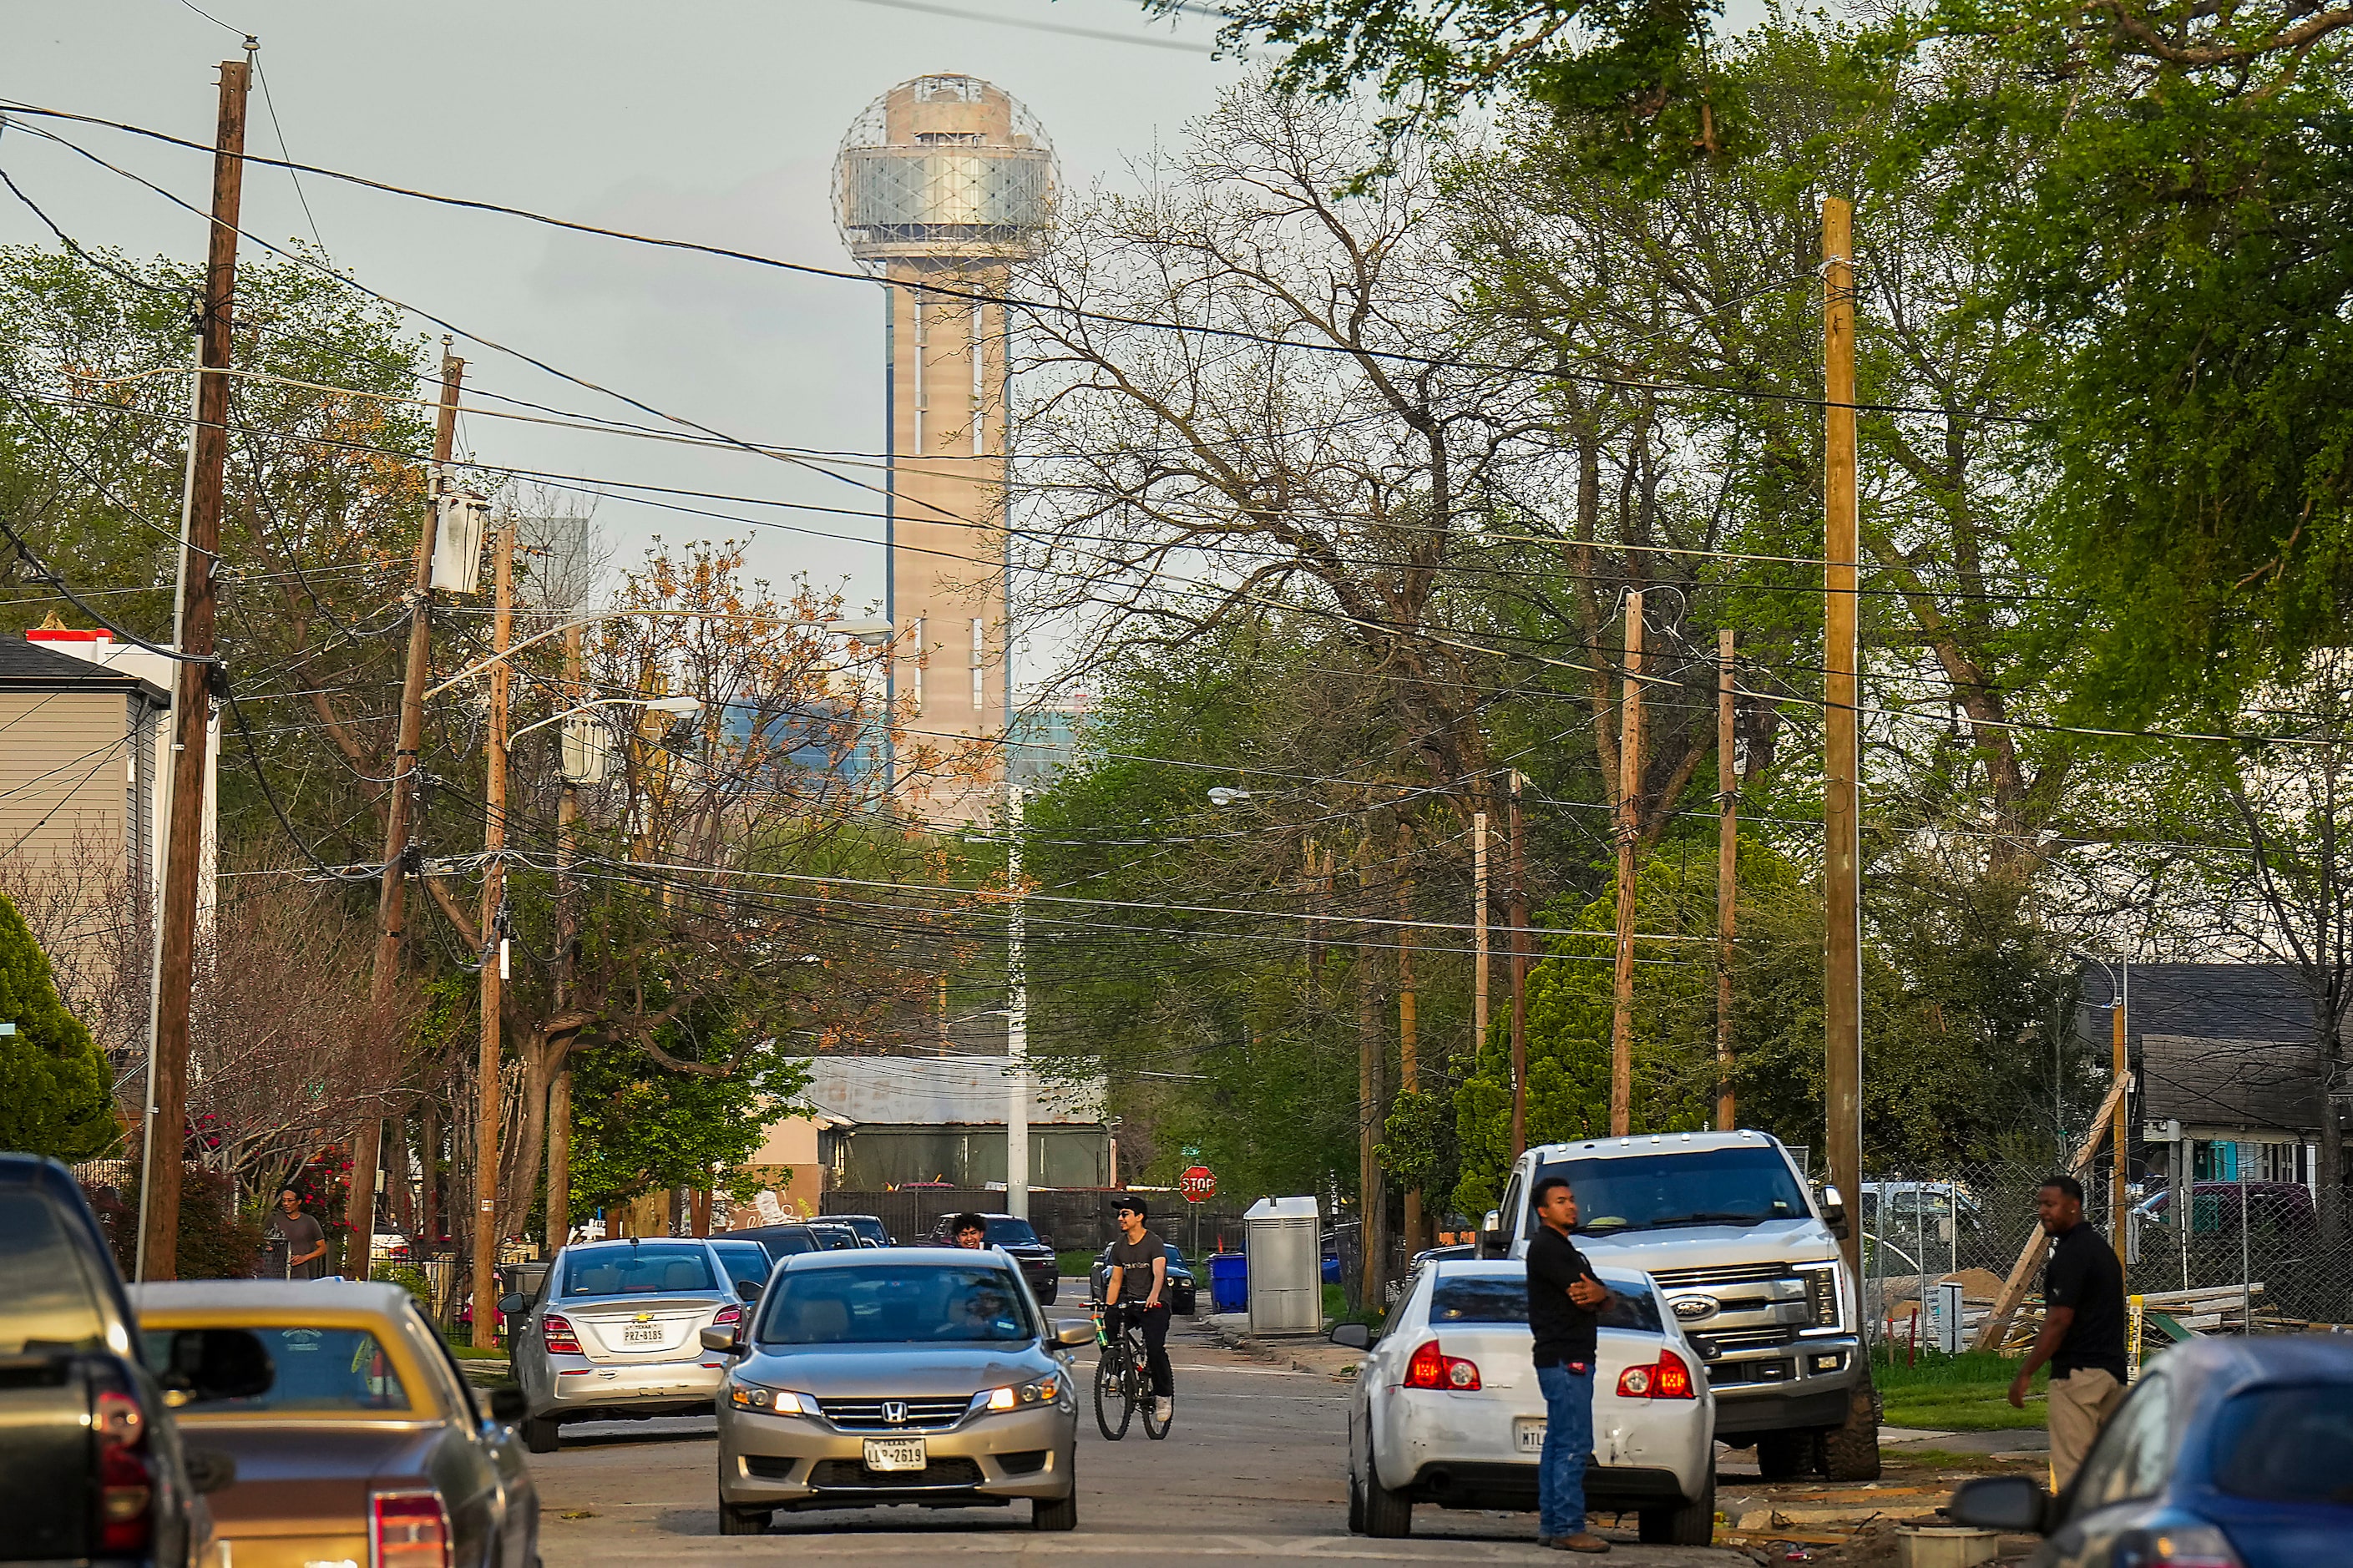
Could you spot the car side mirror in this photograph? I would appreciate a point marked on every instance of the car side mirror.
(1075, 1331)
(514, 1305)
(1835, 1212)
(1047, 1242)
(1354, 1336)
(748, 1289)
(211, 1364)
(1492, 1243)
(2016, 1505)
(718, 1339)
(509, 1405)
(210, 1470)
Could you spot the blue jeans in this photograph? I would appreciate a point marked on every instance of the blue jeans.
(1567, 1445)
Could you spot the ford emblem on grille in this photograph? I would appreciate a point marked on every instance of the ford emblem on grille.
(1692, 1309)
(894, 1411)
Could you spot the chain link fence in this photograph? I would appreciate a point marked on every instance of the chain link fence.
(2237, 1254)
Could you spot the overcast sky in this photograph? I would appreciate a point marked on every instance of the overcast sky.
(712, 121)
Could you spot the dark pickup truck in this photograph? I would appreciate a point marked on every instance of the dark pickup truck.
(92, 1467)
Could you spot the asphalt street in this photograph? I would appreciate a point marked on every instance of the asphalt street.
(1254, 1470)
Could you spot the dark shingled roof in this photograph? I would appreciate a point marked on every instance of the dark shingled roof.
(2215, 1045)
(2248, 1084)
(27, 666)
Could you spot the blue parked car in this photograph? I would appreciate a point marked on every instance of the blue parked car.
(2228, 1453)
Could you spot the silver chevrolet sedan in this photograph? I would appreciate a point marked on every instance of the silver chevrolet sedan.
(923, 1375)
(615, 1334)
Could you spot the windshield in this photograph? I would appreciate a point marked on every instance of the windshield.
(2287, 1444)
(1657, 1192)
(876, 1304)
(1011, 1232)
(867, 1225)
(317, 1369)
(746, 1262)
(46, 1300)
(1504, 1298)
(652, 1269)
(784, 1244)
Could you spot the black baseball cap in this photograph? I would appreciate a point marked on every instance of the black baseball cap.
(1130, 1205)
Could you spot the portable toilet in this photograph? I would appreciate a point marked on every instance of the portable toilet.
(1286, 1278)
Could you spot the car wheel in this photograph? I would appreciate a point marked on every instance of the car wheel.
(1690, 1523)
(1053, 1288)
(1784, 1456)
(541, 1435)
(1057, 1514)
(742, 1521)
(1356, 1505)
(1851, 1450)
(1388, 1516)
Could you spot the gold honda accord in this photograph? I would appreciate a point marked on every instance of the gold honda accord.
(368, 1446)
(922, 1375)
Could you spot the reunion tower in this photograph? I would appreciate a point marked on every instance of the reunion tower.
(946, 180)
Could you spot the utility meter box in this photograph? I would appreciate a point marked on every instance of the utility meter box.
(1286, 1267)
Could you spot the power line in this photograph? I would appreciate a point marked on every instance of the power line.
(974, 295)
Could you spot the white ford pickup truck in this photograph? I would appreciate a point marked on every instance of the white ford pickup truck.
(1751, 1269)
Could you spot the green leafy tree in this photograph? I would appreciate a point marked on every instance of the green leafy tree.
(55, 1094)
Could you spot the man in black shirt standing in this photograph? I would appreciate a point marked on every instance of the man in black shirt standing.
(1564, 1299)
(2083, 1335)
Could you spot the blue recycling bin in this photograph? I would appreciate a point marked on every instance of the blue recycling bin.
(1230, 1281)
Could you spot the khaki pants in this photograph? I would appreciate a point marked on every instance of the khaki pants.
(2081, 1404)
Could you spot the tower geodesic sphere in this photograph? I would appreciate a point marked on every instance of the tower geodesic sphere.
(944, 169)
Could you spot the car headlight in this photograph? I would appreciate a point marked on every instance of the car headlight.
(1012, 1397)
(769, 1401)
(1821, 1294)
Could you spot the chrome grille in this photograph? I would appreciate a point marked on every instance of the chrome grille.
(1733, 1274)
(868, 1414)
(1714, 1345)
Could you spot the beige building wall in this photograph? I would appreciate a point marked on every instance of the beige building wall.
(948, 580)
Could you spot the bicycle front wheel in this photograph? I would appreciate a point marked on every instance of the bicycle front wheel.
(1114, 1407)
(1154, 1427)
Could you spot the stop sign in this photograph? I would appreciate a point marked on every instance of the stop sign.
(1197, 1183)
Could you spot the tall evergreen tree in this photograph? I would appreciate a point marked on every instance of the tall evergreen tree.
(56, 1097)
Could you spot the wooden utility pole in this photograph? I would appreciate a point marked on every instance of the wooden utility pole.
(1630, 837)
(1519, 918)
(1841, 791)
(1478, 933)
(2120, 1133)
(494, 953)
(1408, 1047)
(1372, 1202)
(559, 1083)
(1727, 853)
(192, 701)
(360, 1212)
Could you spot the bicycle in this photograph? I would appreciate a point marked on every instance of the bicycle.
(1122, 1380)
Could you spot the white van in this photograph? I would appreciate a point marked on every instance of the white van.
(1751, 1268)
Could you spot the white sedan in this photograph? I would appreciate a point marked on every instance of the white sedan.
(1447, 1411)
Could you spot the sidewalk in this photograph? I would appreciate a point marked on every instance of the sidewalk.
(1300, 1353)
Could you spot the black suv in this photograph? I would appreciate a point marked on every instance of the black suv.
(91, 1468)
(1018, 1241)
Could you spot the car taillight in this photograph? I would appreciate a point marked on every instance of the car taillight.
(126, 1476)
(2177, 1546)
(1433, 1368)
(726, 1315)
(407, 1530)
(557, 1332)
(1666, 1378)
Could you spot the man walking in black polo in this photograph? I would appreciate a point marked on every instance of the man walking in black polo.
(2083, 1335)
(1564, 1299)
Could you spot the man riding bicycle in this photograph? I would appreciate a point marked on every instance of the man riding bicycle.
(1138, 1277)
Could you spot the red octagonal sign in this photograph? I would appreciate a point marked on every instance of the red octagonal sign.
(1197, 1183)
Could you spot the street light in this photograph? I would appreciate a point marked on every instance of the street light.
(1221, 796)
(681, 706)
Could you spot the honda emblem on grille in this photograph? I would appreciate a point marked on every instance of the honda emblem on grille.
(894, 1411)
(1692, 1308)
